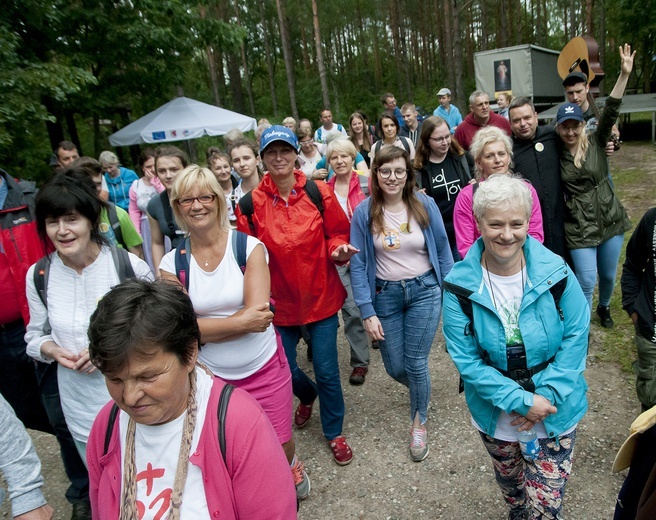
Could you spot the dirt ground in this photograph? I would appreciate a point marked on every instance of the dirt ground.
(456, 480)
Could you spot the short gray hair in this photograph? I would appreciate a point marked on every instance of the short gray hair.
(341, 144)
(475, 94)
(108, 158)
(502, 191)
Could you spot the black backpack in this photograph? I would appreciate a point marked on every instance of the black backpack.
(42, 272)
(311, 189)
(221, 411)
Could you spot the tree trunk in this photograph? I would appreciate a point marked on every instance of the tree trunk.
(72, 130)
(394, 25)
(589, 26)
(269, 62)
(322, 68)
(244, 63)
(446, 45)
(287, 53)
(457, 55)
(378, 67)
(214, 82)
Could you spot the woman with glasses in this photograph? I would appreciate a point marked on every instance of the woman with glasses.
(595, 220)
(397, 277)
(310, 153)
(442, 169)
(240, 344)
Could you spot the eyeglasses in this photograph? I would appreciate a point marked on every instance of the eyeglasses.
(309, 141)
(441, 139)
(203, 199)
(399, 173)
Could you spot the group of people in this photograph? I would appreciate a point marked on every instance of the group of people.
(255, 252)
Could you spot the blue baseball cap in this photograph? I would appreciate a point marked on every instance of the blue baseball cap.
(278, 133)
(569, 111)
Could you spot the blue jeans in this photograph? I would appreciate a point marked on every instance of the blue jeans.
(328, 388)
(409, 311)
(603, 258)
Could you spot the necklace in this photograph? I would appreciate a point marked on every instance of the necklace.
(207, 262)
(489, 280)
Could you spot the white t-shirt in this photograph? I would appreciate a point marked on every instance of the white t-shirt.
(219, 294)
(156, 456)
(72, 298)
(400, 254)
(508, 292)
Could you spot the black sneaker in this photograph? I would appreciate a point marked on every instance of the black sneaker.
(604, 315)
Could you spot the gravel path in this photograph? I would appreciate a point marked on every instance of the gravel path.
(456, 480)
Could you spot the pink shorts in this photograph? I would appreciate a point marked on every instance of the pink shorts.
(271, 386)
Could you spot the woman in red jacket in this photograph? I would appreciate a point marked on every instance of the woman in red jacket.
(306, 233)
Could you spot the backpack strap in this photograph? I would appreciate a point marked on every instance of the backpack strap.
(222, 411)
(168, 213)
(465, 304)
(557, 292)
(41, 275)
(113, 414)
(246, 208)
(405, 143)
(114, 222)
(182, 253)
(122, 263)
(239, 248)
(313, 192)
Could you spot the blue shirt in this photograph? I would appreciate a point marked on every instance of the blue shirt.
(452, 117)
(119, 187)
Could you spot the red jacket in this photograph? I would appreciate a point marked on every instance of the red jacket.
(304, 282)
(466, 130)
(355, 193)
(20, 247)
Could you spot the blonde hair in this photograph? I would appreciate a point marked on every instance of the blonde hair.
(488, 135)
(581, 146)
(191, 177)
(342, 144)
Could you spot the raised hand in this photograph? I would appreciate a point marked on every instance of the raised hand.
(627, 58)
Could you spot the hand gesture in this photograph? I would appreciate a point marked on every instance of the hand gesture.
(343, 253)
(627, 58)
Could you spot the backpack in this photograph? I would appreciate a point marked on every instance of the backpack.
(463, 295)
(310, 188)
(183, 250)
(115, 223)
(222, 411)
(379, 144)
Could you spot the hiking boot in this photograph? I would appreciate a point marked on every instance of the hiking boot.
(302, 414)
(341, 450)
(301, 480)
(375, 345)
(358, 375)
(418, 445)
(81, 510)
(605, 317)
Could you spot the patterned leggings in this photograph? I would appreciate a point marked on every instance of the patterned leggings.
(533, 489)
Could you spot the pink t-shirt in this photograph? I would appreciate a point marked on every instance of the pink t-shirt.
(400, 251)
(465, 225)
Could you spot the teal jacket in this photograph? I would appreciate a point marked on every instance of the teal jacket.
(544, 332)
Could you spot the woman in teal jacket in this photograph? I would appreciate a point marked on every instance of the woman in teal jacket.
(516, 326)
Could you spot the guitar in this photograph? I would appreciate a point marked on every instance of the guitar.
(582, 54)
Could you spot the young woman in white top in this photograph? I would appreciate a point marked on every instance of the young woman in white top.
(240, 343)
(81, 271)
(141, 191)
(219, 165)
(245, 160)
(389, 128)
(403, 257)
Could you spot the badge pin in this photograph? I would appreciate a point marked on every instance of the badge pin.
(539, 147)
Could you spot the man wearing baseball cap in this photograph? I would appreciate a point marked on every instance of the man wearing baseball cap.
(446, 110)
(576, 91)
(306, 233)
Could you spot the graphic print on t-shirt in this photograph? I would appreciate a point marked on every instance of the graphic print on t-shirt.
(439, 182)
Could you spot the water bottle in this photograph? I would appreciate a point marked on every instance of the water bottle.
(529, 444)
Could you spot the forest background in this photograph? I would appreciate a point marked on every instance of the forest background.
(82, 69)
